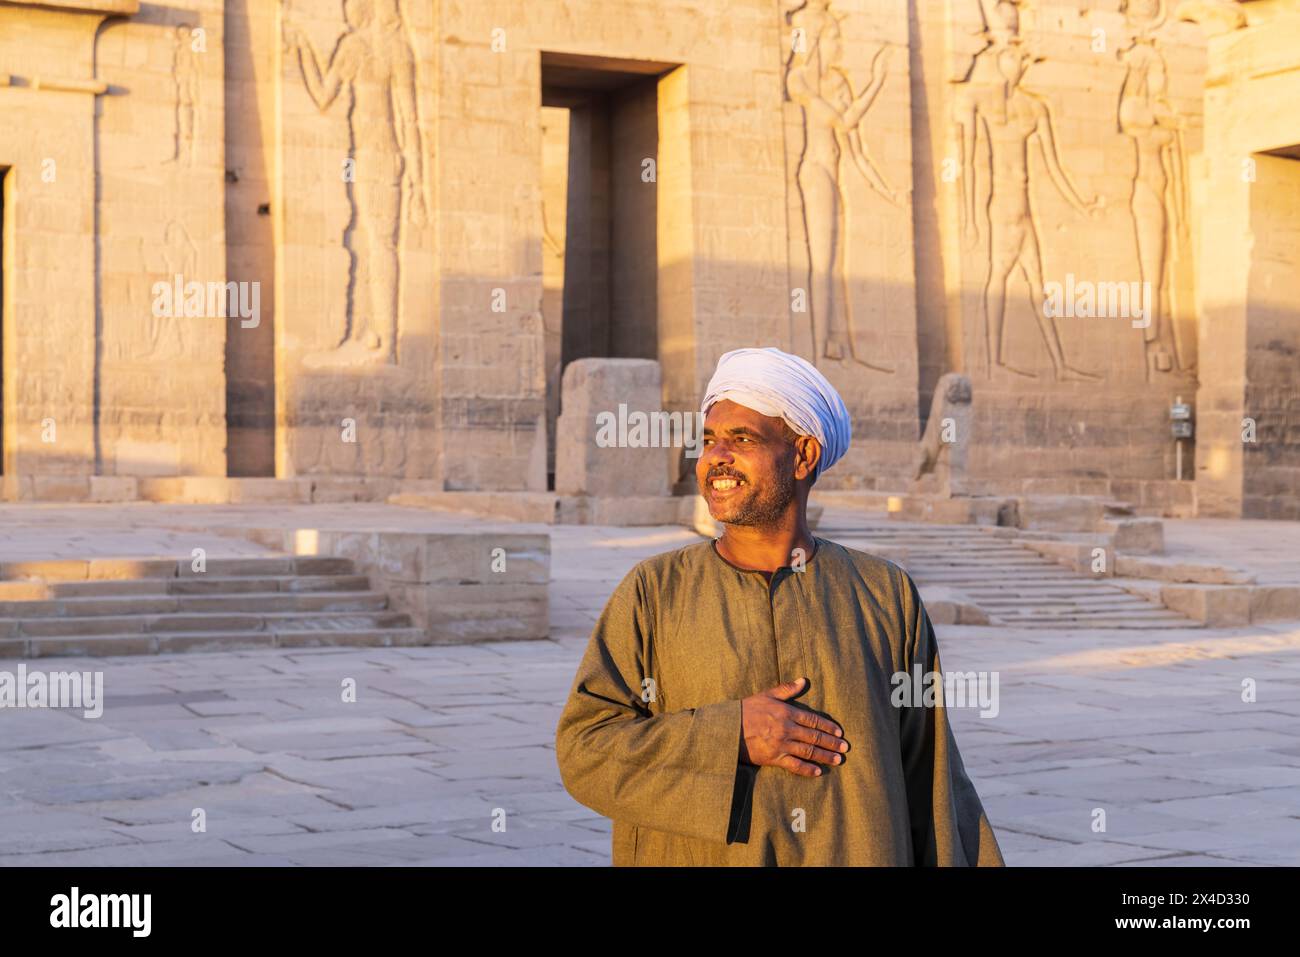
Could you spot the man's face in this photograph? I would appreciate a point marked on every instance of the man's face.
(752, 458)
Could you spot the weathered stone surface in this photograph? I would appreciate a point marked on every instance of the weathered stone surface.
(1060, 513)
(1216, 605)
(942, 458)
(1137, 535)
(1175, 571)
(1087, 558)
(1275, 602)
(456, 586)
(608, 440)
(114, 488)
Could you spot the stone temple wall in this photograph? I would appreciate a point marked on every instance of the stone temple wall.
(422, 212)
(1058, 145)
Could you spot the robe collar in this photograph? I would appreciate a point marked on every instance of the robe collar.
(819, 547)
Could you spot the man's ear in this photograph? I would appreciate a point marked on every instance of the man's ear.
(808, 453)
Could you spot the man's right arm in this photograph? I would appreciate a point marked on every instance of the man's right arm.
(675, 772)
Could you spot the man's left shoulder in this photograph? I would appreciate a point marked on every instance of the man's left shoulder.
(876, 570)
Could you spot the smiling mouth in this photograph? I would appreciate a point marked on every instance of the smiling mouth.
(722, 484)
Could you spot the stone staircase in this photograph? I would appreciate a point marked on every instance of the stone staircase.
(146, 606)
(1011, 583)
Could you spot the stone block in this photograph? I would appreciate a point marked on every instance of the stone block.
(1137, 535)
(263, 491)
(603, 510)
(186, 490)
(1187, 572)
(61, 488)
(118, 568)
(940, 510)
(461, 613)
(540, 508)
(948, 606)
(114, 488)
(16, 488)
(456, 586)
(1217, 606)
(1060, 513)
(351, 490)
(69, 569)
(1275, 602)
(1077, 556)
(613, 437)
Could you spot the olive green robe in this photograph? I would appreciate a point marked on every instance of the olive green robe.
(650, 734)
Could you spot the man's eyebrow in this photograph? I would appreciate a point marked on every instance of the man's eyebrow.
(736, 430)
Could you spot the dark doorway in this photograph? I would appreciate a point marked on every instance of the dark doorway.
(600, 202)
(250, 251)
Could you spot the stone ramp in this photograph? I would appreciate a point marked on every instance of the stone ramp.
(101, 607)
(1009, 582)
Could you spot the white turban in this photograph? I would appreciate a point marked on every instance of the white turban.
(775, 383)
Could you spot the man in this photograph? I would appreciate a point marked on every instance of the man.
(733, 706)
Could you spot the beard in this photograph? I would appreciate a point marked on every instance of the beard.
(762, 506)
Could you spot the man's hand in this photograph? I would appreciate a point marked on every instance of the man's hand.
(784, 736)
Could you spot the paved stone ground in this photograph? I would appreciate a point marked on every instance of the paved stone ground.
(1148, 727)
(1270, 549)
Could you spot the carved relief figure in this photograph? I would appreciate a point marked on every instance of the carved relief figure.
(832, 116)
(995, 105)
(1159, 200)
(166, 336)
(185, 80)
(374, 65)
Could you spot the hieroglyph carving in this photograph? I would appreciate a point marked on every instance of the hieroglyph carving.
(1158, 203)
(185, 81)
(374, 65)
(167, 335)
(992, 103)
(817, 81)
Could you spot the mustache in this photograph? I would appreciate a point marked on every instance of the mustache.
(725, 473)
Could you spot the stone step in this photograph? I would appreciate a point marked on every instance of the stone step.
(972, 552)
(973, 562)
(37, 590)
(40, 590)
(933, 547)
(1119, 600)
(991, 568)
(134, 569)
(901, 529)
(1000, 586)
(215, 622)
(1031, 589)
(996, 574)
(165, 642)
(1107, 623)
(1097, 598)
(287, 583)
(1012, 583)
(1151, 614)
(130, 605)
